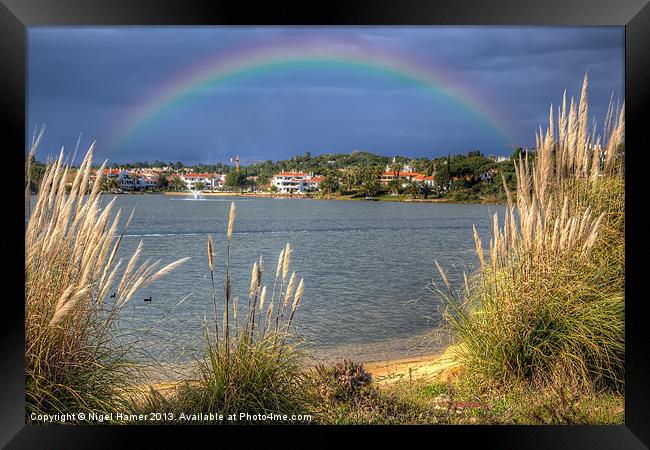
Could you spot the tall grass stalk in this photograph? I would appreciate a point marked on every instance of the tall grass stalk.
(72, 359)
(547, 302)
(251, 365)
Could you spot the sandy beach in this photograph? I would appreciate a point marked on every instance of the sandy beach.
(439, 367)
(422, 368)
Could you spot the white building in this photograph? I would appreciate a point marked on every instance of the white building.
(208, 180)
(313, 183)
(130, 181)
(289, 182)
(295, 182)
(146, 182)
(218, 181)
(124, 178)
(404, 167)
(426, 180)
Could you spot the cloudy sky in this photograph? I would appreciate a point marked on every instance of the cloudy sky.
(204, 94)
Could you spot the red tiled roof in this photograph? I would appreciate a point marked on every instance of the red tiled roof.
(198, 175)
(401, 174)
(290, 174)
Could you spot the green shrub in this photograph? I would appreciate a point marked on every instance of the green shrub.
(344, 381)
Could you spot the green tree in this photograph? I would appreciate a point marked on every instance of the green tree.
(108, 184)
(395, 187)
(329, 184)
(348, 179)
(161, 181)
(429, 167)
(369, 181)
(37, 170)
(177, 184)
(235, 180)
(442, 177)
(199, 186)
(397, 168)
(425, 189)
(412, 188)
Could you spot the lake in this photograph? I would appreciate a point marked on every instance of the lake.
(367, 266)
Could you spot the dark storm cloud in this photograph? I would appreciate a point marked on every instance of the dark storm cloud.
(83, 80)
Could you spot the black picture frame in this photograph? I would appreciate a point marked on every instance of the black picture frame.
(16, 15)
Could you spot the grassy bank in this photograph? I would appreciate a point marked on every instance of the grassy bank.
(430, 390)
(546, 309)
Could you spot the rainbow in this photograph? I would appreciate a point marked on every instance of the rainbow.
(262, 59)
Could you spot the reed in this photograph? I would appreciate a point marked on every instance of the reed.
(547, 302)
(251, 364)
(73, 361)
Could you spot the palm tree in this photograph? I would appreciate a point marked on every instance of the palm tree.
(395, 187)
(177, 183)
(430, 168)
(161, 181)
(397, 168)
(425, 189)
(348, 179)
(369, 178)
(412, 188)
(329, 184)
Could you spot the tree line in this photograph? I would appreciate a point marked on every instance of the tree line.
(461, 176)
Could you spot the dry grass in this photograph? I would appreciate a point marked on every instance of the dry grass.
(72, 359)
(548, 300)
(251, 364)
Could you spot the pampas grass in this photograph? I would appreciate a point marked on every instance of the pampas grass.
(250, 365)
(548, 301)
(72, 360)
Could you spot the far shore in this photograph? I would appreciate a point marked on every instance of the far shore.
(383, 198)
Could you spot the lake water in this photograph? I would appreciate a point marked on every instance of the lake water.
(367, 266)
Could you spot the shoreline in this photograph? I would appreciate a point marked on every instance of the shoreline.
(336, 198)
(427, 367)
(443, 365)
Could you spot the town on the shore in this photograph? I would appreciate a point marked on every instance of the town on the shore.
(464, 177)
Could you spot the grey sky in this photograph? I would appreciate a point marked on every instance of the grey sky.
(87, 80)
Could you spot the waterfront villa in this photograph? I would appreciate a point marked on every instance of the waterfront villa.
(218, 181)
(388, 176)
(313, 183)
(295, 182)
(130, 181)
(289, 182)
(146, 182)
(209, 180)
(423, 179)
(125, 180)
